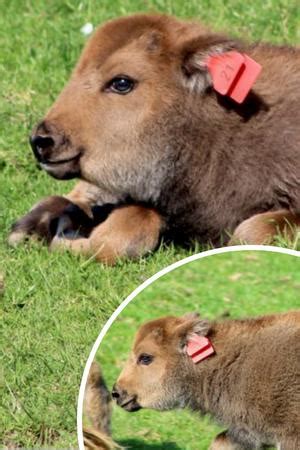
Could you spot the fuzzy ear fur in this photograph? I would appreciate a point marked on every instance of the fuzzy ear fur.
(192, 324)
(194, 54)
(158, 334)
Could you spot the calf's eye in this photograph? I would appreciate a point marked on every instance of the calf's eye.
(120, 85)
(145, 359)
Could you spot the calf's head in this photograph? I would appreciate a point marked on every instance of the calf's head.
(123, 117)
(158, 372)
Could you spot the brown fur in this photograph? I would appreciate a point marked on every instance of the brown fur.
(251, 384)
(97, 411)
(97, 400)
(202, 162)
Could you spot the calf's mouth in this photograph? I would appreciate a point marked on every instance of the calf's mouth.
(62, 169)
(61, 161)
(130, 404)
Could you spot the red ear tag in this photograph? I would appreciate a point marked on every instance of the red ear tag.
(233, 74)
(224, 67)
(199, 348)
(245, 80)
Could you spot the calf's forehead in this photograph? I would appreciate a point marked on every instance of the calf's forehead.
(140, 32)
(157, 333)
(118, 34)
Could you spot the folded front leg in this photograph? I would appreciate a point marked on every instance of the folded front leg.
(128, 232)
(74, 212)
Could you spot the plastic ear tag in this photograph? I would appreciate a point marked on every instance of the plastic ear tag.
(233, 74)
(199, 348)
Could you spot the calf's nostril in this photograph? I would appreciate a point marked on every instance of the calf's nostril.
(40, 143)
(115, 393)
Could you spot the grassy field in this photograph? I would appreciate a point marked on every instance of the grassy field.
(53, 306)
(240, 284)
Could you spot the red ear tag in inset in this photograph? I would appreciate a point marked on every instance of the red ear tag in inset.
(199, 348)
(233, 74)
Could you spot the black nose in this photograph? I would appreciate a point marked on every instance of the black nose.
(115, 393)
(41, 146)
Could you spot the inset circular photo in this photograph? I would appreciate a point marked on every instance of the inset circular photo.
(205, 355)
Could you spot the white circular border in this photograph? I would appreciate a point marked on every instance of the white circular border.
(140, 289)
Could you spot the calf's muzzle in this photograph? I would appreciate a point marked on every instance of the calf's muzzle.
(125, 400)
(55, 152)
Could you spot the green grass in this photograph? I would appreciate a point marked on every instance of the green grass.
(241, 284)
(53, 306)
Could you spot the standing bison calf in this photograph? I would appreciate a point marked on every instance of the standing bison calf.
(142, 126)
(246, 373)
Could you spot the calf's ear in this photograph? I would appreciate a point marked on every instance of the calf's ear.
(192, 324)
(194, 55)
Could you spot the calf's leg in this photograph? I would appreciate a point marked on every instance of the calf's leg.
(128, 232)
(223, 442)
(97, 401)
(262, 229)
(236, 439)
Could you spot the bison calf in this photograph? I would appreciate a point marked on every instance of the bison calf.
(246, 373)
(142, 124)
